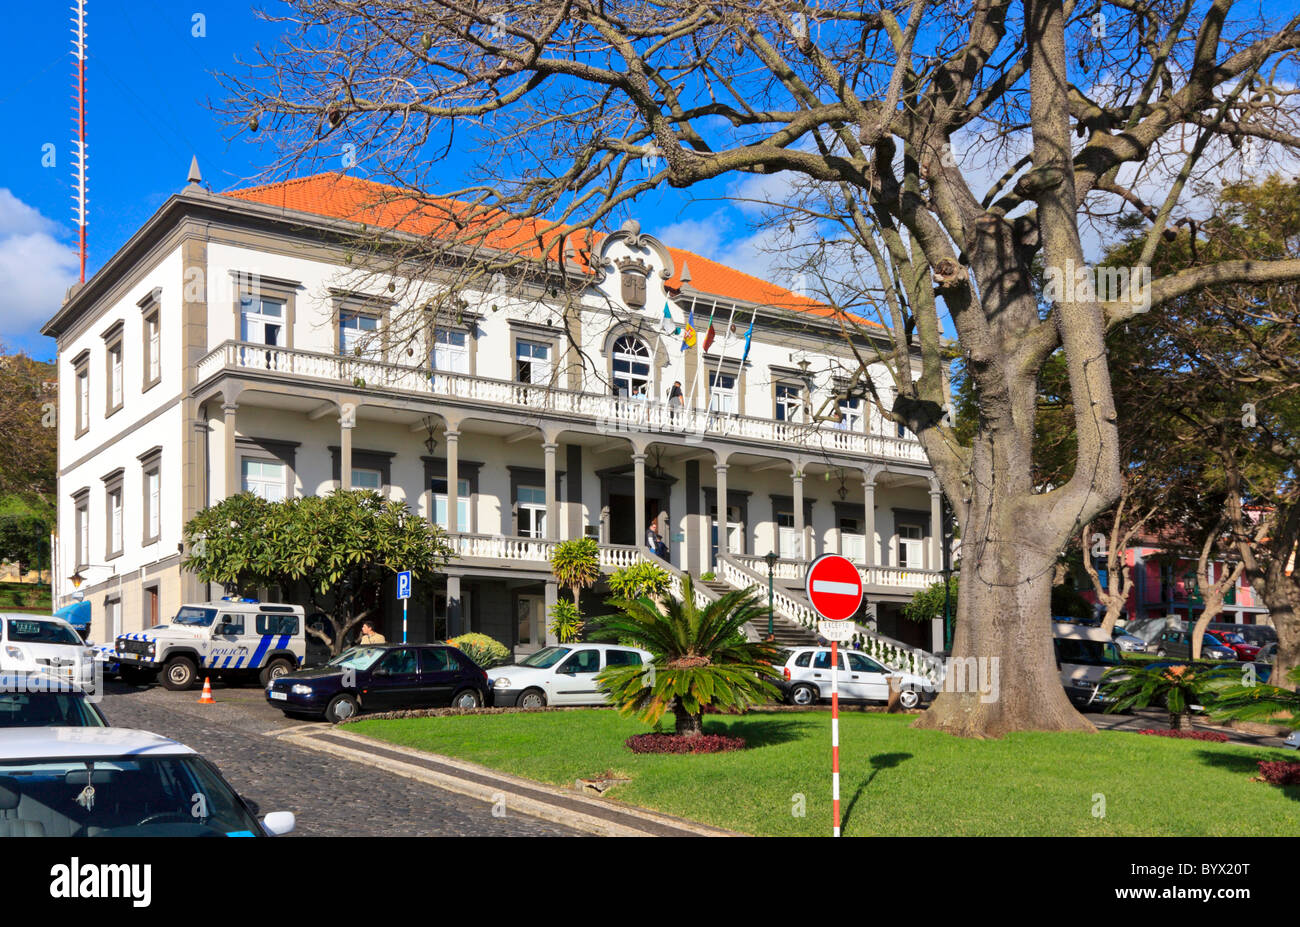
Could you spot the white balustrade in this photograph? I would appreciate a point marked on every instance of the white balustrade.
(606, 412)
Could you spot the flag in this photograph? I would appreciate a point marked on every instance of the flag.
(708, 334)
(688, 338)
(666, 326)
(749, 334)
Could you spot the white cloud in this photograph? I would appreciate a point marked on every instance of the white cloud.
(36, 268)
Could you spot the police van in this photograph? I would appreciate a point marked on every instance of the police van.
(235, 639)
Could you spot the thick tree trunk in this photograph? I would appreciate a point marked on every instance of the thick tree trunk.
(688, 725)
(1004, 627)
(1283, 601)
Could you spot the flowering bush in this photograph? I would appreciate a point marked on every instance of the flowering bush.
(677, 743)
(1280, 772)
(1212, 736)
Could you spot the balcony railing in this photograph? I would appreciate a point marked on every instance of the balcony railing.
(795, 570)
(607, 414)
(533, 550)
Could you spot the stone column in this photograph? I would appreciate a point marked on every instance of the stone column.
(802, 553)
(552, 596)
(346, 423)
(455, 621)
(869, 519)
(552, 502)
(936, 527)
(638, 477)
(721, 471)
(453, 501)
(230, 462)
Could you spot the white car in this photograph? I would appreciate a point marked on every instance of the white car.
(43, 644)
(807, 672)
(564, 674)
(118, 782)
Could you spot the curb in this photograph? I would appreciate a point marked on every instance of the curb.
(522, 796)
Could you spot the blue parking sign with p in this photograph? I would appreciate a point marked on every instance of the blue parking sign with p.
(404, 584)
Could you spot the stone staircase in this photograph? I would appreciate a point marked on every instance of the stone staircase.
(787, 633)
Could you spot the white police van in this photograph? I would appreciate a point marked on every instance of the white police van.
(234, 639)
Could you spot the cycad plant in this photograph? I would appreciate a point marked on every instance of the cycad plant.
(1177, 687)
(701, 658)
(1249, 700)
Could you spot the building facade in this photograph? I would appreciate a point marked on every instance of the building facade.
(228, 346)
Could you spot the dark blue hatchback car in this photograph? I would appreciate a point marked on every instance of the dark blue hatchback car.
(382, 677)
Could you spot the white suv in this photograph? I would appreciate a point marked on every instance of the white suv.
(564, 674)
(807, 672)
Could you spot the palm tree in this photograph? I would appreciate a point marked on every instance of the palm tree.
(701, 657)
(576, 564)
(1178, 687)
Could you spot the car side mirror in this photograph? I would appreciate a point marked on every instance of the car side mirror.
(279, 823)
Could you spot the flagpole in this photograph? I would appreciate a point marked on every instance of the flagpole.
(726, 336)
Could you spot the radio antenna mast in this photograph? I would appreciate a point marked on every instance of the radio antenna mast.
(79, 158)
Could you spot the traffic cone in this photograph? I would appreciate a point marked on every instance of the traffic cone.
(206, 698)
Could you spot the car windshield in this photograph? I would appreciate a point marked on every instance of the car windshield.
(198, 617)
(1086, 653)
(172, 796)
(29, 631)
(545, 658)
(361, 658)
(47, 709)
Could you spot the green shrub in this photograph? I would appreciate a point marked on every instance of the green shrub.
(708, 577)
(566, 622)
(642, 578)
(486, 651)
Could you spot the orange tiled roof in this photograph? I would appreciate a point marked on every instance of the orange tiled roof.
(353, 199)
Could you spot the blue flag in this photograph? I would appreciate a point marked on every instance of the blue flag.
(666, 326)
(749, 334)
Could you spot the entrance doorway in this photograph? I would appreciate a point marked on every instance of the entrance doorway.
(624, 526)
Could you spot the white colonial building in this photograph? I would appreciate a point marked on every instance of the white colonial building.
(228, 347)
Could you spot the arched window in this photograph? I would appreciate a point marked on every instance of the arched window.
(631, 367)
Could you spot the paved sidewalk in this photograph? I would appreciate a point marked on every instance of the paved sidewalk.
(513, 793)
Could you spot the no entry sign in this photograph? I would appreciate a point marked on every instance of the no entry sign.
(834, 587)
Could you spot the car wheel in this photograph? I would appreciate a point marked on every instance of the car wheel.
(467, 698)
(340, 708)
(179, 674)
(532, 698)
(909, 698)
(274, 670)
(803, 695)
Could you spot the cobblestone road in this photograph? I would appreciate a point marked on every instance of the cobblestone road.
(331, 797)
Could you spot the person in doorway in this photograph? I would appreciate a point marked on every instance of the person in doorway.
(369, 635)
(653, 541)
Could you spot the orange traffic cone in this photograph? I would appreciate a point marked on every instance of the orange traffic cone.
(206, 698)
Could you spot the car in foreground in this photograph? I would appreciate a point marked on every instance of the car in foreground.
(806, 679)
(381, 677)
(563, 674)
(35, 644)
(1083, 657)
(118, 782)
(1238, 644)
(42, 700)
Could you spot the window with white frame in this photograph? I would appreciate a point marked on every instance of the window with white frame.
(789, 402)
(261, 320)
(359, 335)
(152, 349)
(532, 361)
(909, 546)
(850, 418)
(439, 488)
(152, 501)
(114, 509)
(531, 504)
(450, 351)
(788, 546)
(115, 375)
(82, 526)
(631, 367)
(363, 478)
(83, 397)
(264, 478)
(722, 393)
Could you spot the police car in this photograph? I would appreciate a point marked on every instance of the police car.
(235, 639)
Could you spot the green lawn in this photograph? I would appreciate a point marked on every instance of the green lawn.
(894, 780)
(24, 597)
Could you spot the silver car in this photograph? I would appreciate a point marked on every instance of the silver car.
(807, 678)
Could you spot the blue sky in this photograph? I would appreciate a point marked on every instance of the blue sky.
(149, 82)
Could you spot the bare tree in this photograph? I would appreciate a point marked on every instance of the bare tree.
(573, 108)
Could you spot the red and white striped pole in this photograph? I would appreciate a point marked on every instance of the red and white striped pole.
(835, 734)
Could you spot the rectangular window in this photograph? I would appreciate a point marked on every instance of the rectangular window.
(152, 501)
(277, 624)
(261, 321)
(722, 393)
(532, 362)
(114, 509)
(367, 479)
(439, 487)
(909, 546)
(83, 533)
(450, 351)
(83, 398)
(850, 415)
(114, 376)
(787, 539)
(531, 502)
(264, 479)
(152, 350)
(358, 335)
(789, 405)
